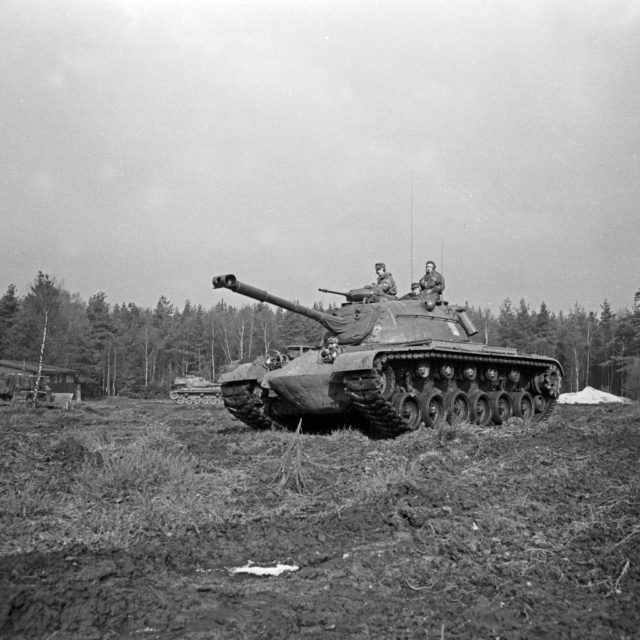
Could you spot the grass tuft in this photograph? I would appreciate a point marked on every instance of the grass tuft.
(291, 473)
(455, 431)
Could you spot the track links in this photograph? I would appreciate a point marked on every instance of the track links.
(380, 416)
(241, 403)
(548, 410)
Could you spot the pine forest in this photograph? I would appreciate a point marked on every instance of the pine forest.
(125, 349)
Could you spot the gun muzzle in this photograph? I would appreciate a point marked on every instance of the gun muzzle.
(227, 281)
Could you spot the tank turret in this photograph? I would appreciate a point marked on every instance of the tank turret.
(387, 366)
(363, 318)
(350, 328)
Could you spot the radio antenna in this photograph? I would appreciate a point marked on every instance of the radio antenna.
(411, 227)
(442, 255)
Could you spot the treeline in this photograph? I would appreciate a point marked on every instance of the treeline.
(128, 349)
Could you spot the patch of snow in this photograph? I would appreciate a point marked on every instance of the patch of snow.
(589, 395)
(264, 571)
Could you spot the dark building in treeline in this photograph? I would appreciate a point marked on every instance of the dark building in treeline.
(61, 379)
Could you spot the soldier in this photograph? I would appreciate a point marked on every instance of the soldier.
(432, 282)
(415, 292)
(385, 287)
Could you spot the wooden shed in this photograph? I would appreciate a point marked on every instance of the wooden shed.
(61, 379)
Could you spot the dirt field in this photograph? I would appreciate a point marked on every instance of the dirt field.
(124, 519)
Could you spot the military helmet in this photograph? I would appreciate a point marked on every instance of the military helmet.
(415, 285)
(430, 262)
(380, 265)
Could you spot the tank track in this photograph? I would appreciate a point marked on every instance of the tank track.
(548, 410)
(241, 403)
(195, 398)
(382, 419)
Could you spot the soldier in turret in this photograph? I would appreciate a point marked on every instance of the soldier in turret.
(385, 287)
(432, 282)
(415, 292)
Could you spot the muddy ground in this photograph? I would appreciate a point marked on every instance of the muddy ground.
(522, 531)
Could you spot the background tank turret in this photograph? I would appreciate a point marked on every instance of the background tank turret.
(387, 367)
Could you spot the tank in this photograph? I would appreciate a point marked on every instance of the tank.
(20, 388)
(388, 367)
(195, 390)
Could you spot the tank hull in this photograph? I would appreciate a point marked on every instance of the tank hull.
(391, 389)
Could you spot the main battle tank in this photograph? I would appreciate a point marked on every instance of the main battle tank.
(387, 367)
(195, 390)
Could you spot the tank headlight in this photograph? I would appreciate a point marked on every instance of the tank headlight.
(331, 352)
(327, 356)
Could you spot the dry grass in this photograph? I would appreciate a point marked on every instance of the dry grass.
(117, 476)
(113, 474)
(291, 472)
(108, 488)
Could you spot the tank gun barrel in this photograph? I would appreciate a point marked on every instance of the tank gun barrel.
(353, 295)
(338, 293)
(229, 281)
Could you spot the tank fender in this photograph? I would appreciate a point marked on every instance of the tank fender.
(354, 361)
(244, 371)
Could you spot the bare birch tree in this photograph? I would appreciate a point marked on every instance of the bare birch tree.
(46, 296)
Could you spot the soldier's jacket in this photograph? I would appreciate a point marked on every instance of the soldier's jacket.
(386, 285)
(432, 282)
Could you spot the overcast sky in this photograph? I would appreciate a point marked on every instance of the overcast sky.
(146, 146)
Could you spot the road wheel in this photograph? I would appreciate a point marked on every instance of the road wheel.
(501, 408)
(407, 407)
(197, 399)
(189, 399)
(480, 405)
(173, 395)
(539, 403)
(432, 408)
(548, 382)
(457, 407)
(522, 405)
(180, 400)
(385, 381)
